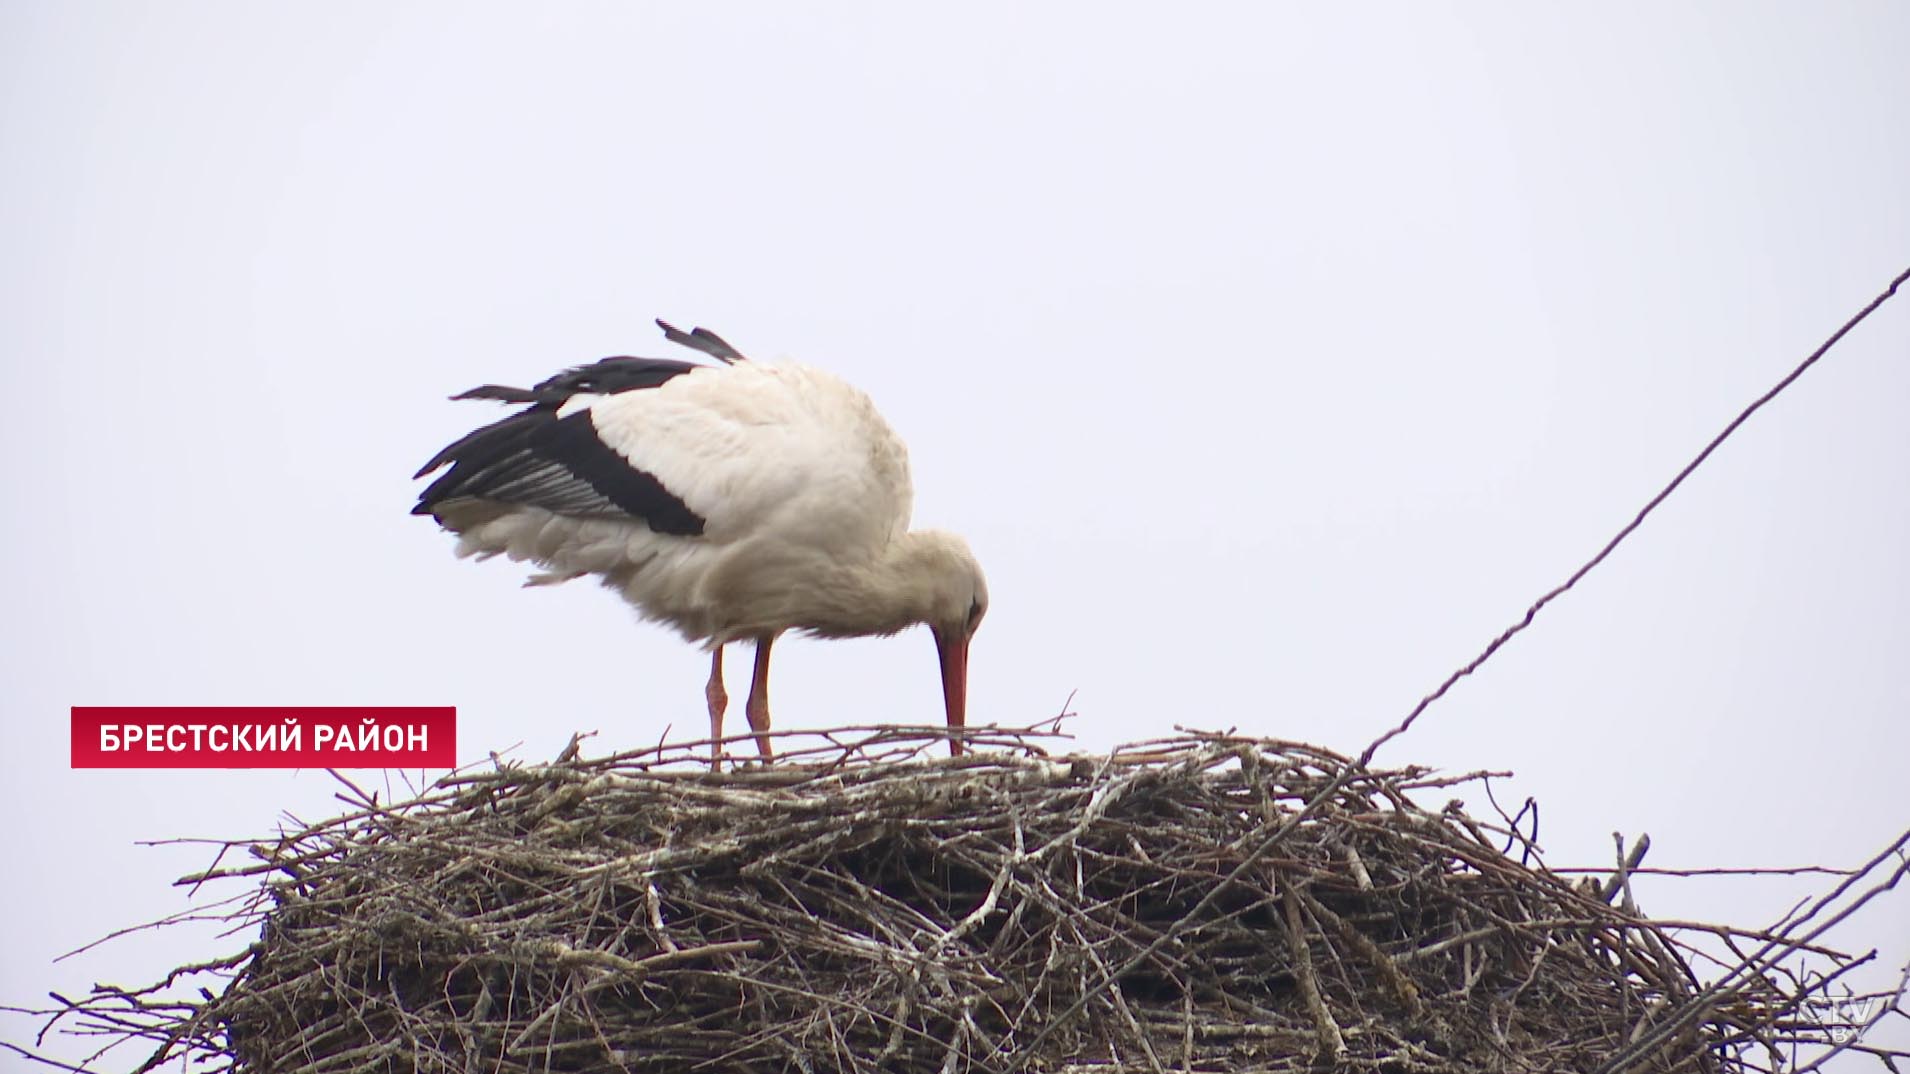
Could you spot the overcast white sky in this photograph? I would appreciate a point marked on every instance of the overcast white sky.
(1272, 358)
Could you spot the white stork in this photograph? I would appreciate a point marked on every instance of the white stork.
(732, 501)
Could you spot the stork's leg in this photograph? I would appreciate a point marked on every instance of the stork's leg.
(758, 705)
(719, 701)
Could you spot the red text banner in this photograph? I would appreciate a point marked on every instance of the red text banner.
(265, 737)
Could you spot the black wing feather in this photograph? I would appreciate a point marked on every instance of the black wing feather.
(537, 459)
(703, 340)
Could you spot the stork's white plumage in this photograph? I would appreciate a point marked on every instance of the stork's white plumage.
(733, 502)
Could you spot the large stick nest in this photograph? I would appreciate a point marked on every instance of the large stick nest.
(872, 908)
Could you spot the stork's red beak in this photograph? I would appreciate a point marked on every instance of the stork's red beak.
(954, 652)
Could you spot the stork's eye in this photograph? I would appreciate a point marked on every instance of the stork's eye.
(975, 610)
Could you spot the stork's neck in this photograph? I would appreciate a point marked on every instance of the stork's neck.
(917, 578)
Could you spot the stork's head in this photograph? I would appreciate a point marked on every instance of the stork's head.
(958, 598)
